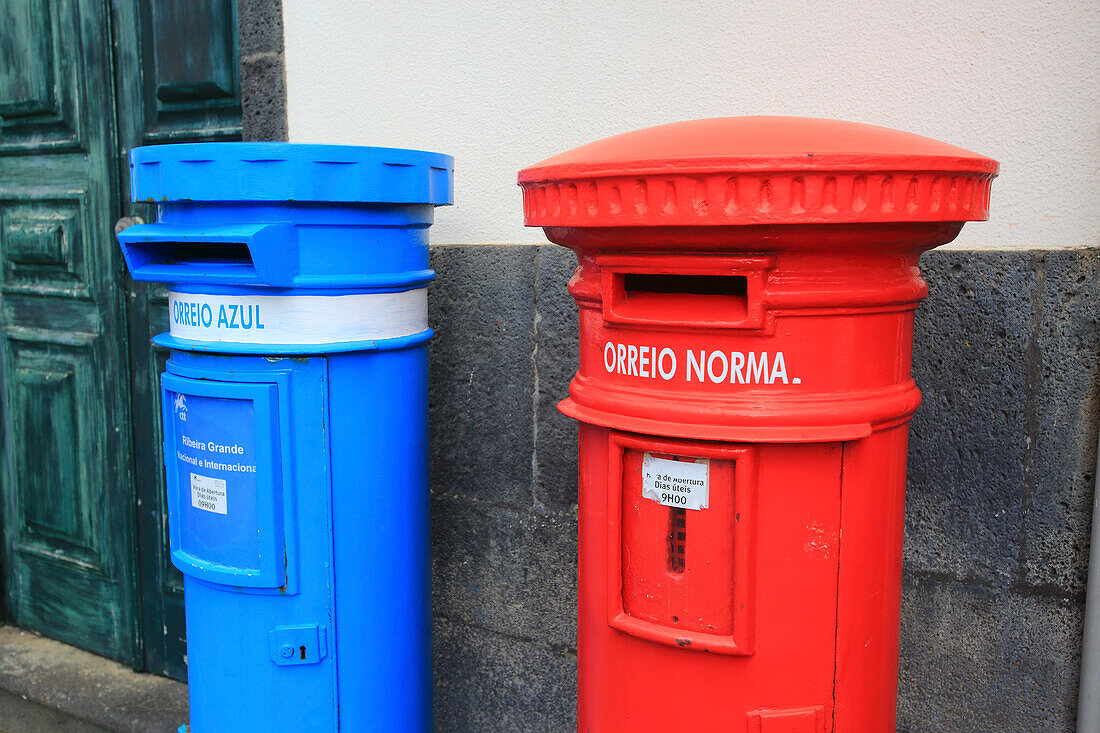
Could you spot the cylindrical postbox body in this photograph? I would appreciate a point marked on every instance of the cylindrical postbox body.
(746, 289)
(295, 425)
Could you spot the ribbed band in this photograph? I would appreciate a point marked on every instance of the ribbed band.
(736, 198)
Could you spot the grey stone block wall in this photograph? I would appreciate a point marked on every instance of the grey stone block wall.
(1001, 463)
(504, 490)
(263, 76)
(1001, 474)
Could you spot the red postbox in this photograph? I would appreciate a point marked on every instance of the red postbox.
(746, 289)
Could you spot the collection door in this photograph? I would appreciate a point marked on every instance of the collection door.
(81, 481)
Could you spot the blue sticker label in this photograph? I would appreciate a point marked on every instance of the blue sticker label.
(216, 478)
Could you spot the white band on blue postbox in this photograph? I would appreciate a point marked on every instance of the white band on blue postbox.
(299, 319)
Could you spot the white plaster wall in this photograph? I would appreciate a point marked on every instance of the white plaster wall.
(501, 85)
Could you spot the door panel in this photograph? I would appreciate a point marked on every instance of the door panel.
(66, 480)
(43, 246)
(189, 81)
(40, 76)
(52, 497)
(185, 71)
(180, 58)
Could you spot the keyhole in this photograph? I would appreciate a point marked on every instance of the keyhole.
(677, 539)
(302, 651)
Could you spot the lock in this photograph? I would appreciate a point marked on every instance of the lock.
(294, 645)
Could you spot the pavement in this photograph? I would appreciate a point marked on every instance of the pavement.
(49, 686)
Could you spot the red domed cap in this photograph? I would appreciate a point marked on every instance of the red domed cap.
(758, 170)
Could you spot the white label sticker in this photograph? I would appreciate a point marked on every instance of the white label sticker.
(680, 484)
(208, 493)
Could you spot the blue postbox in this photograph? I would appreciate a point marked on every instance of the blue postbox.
(295, 425)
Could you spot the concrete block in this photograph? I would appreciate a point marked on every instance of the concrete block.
(263, 98)
(260, 24)
(556, 362)
(486, 682)
(1058, 508)
(507, 571)
(482, 371)
(968, 440)
(975, 658)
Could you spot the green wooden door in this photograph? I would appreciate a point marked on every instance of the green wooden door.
(68, 492)
(81, 481)
(179, 58)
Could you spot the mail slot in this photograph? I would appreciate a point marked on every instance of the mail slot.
(295, 425)
(746, 289)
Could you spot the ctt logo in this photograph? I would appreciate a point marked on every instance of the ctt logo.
(180, 406)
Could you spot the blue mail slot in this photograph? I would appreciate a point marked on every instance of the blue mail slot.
(221, 451)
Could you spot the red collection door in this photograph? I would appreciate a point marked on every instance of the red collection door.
(746, 587)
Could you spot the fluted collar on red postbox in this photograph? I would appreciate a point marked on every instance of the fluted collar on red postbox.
(757, 170)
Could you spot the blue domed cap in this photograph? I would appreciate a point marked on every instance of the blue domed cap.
(262, 171)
